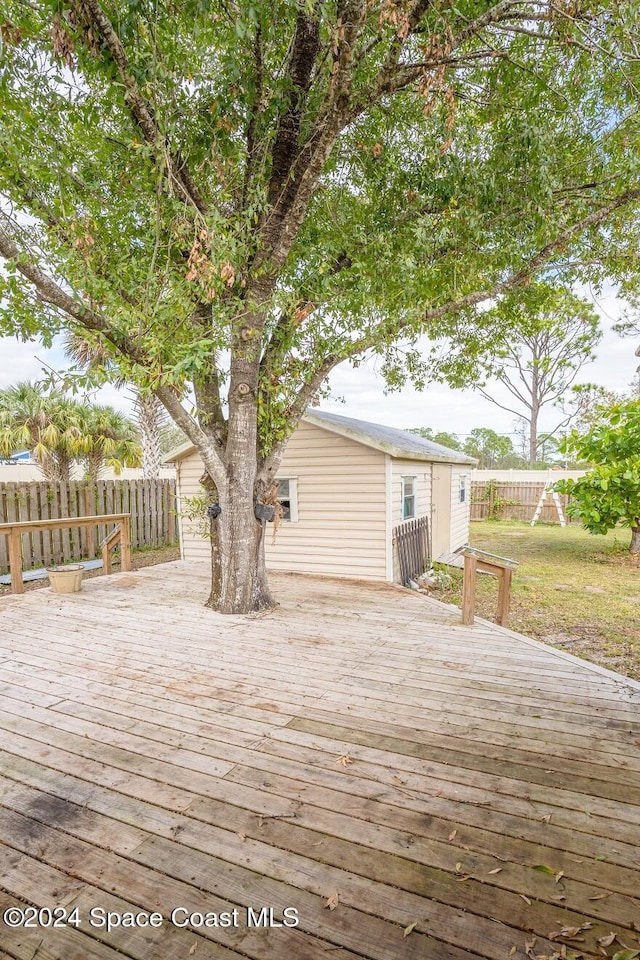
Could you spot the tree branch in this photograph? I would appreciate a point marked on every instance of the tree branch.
(538, 260)
(251, 158)
(305, 47)
(52, 293)
(487, 396)
(526, 271)
(143, 112)
(303, 398)
(392, 77)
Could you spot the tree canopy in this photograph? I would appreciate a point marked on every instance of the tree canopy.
(234, 197)
(442, 437)
(608, 495)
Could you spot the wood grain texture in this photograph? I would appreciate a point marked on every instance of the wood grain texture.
(358, 746)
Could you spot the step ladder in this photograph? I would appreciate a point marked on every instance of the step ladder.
(549, 489)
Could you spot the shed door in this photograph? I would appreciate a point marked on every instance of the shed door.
(440, 510)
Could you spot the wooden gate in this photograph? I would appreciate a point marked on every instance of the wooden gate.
(413, 547)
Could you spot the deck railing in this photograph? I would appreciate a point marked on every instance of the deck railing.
(500, 567)
(121, 535)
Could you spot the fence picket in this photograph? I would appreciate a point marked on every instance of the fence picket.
(413, 547)
(45, 512)
(150, 503)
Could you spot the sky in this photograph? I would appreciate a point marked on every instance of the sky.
(360, 392)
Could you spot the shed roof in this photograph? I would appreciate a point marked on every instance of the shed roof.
(397, 443)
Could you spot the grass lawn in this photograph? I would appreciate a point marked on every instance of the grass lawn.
(573, 590)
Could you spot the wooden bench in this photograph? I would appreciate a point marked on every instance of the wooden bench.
(500, 567)
(121, 536)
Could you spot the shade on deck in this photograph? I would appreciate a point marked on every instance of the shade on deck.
(410, 787)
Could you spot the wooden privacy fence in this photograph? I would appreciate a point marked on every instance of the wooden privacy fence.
(413, 547)
(508, 500)
(151, 504)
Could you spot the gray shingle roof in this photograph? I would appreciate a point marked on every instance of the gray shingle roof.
(398, 443)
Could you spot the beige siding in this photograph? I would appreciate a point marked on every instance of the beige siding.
(422, 472)
(194, 545)
(341, 528)
(460, 511)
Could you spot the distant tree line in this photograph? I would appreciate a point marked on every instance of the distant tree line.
(492, 450)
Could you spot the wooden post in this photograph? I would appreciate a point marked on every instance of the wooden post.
(125, 544)
(469, 588)
(504, 595)
(500, 567)
(15, 561)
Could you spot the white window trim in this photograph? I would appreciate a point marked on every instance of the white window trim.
(463, 487)
(293, 498)
(413, 477)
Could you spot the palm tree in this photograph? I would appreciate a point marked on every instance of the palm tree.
(109, 439)
(59, 431)
(149, 412)
(47, 424)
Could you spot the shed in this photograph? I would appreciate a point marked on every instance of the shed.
(352, 492)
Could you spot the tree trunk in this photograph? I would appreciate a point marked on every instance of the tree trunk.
(533, 437)
(239, 581)
(150, 415)
(634, 546)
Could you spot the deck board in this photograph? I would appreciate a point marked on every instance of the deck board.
(357, 746)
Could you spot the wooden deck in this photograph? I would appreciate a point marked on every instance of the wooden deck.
(413, 788)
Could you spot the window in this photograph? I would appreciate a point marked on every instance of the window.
(408, 498)
(288, 497)
(463, 490)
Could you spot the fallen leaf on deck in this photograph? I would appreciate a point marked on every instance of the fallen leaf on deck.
(344, 760)
(558, 876)
(542, 868)
(410, 928)
(242, 836)
(569, 933)
(626, 955)
(497, 870)
(512, 951)
(546, 819)
(193, 949)
(526, 899)
(606, 941)
(333, 901)
(601, 896)
(452, 834)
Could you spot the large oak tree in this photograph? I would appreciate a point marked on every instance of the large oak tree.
(235, 196)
